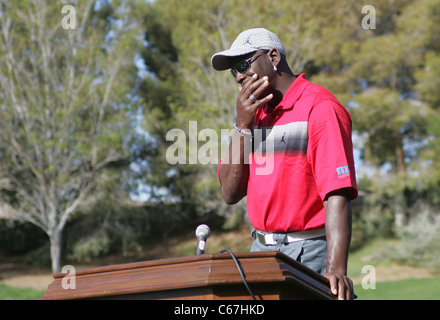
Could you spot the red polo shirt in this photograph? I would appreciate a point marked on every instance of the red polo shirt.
(302, 150)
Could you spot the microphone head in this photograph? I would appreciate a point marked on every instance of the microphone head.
(203, 231)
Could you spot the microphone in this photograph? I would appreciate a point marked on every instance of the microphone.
(202, 233)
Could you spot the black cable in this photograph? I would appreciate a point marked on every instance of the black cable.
(240, 270)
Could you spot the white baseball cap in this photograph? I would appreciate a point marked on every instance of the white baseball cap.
(247, 42)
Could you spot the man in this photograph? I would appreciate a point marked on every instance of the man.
(301, 205)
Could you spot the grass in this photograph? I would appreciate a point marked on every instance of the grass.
(373, 252)
(408, 289)
(413, 287)
(14, 293)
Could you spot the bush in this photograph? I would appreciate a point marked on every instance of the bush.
(18, 237)
(420, 241)
(95, 245)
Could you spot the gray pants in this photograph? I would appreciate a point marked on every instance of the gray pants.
(311, 252)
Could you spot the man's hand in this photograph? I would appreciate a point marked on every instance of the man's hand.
(248, 100)
(340, 285)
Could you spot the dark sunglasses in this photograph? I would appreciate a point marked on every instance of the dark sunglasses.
(244, 65)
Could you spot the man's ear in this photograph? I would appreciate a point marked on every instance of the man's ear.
(275, 57)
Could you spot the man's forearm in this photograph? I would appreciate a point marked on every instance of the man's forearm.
(234, 171)
(338, 226)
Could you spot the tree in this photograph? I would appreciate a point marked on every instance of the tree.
(65, 111)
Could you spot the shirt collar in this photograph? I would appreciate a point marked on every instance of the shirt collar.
(293, 93)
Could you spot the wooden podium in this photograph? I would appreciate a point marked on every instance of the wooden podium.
(269, 275)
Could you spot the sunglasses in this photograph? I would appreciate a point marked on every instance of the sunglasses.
(244, 65)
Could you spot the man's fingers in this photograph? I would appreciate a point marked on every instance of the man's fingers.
(351, 290)
(345, 288)
(247, 84)
(259, 86)
(251, 90)
(342, 289)
(255, 86)
(333, 284)
(265, 99)
(341, 286)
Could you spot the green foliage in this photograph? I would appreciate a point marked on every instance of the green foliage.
(13, 293)
(95, 245)
(18, 237)
(381, 200)
(408, 289)
(428, 80)
(104, 227)
(398, 121)
(420, 241)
